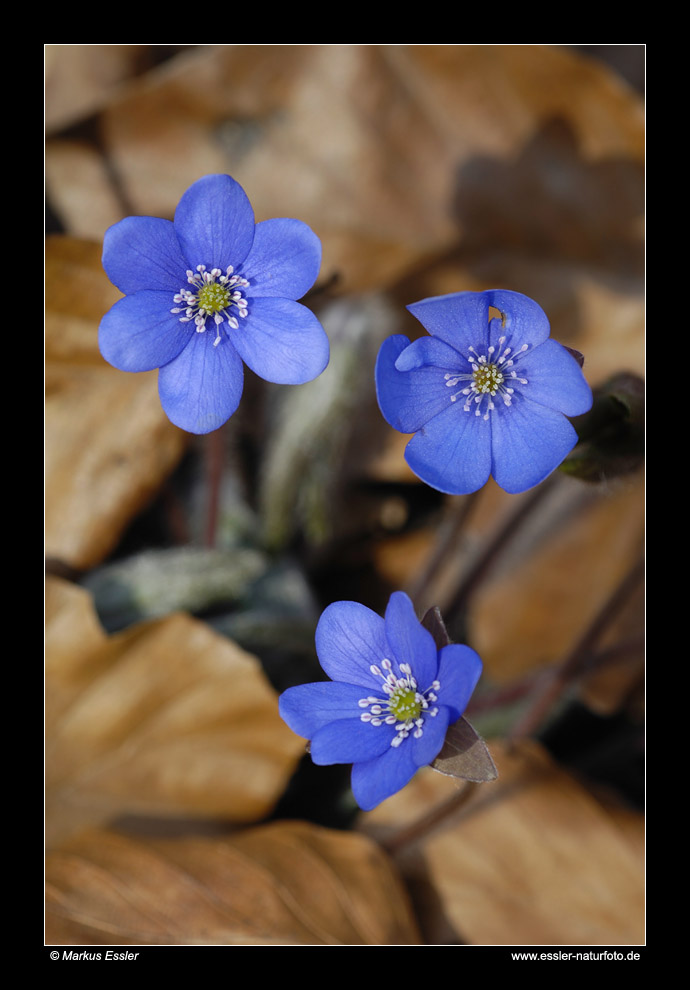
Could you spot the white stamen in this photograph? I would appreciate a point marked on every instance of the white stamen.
(404, 707)
(488, 377)
(218, 303)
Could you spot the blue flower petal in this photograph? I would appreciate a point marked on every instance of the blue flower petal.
(461, 319)
(528, 442)
(282, 341)
(554, 379)
(350, 638)
(144, 253)
(284, 260)
(525, 320)
(140, 333)
(376, 780)
(214, 223)
(409, 641)
(432, 352)
(202, 387)
(409, 399)
(459, 670)
(349, 741)
(452, 452)
(308, 707)
(429, 745)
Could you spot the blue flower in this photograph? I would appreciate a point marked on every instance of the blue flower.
(391, 698)
(483, 395)
(205, 293)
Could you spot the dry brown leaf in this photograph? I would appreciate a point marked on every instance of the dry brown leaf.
(465, 755)
(557, 576)
(533, 859)
(386, 150)
(109, 445)
(288, 883)
(80, 78)
(90, 206)
(167, 718)
(614, 683)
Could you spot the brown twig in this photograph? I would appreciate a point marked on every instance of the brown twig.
(456, 515)
(493, 548)
(214, 473)
(406, 837)
(580, 656)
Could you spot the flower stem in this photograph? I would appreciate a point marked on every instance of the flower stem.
(578, 659)
(510, 694)
(412, 834)
(214, 473)
(492, 550)
(458, 511)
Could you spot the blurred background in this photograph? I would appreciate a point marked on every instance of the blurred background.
(180, 809)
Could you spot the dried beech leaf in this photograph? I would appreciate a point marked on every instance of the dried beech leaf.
(80, 78)
(492, 123)
(88, 207)
(554, 579)
(109, 445)
(532, 859)
(465, 755)
(165, 719)
(287, 883)
(611, 683)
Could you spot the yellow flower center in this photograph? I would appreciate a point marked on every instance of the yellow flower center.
(213, 297)
(487, 378)
(404, 704)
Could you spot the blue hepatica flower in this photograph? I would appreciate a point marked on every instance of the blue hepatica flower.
(391, 698)
(205, 293)
(483, 395)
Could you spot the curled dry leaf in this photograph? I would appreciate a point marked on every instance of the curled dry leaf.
(109, 445)
(465, 755)
(288, 883)
(532, 859)
(166, 719)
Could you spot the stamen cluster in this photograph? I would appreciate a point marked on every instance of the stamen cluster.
(488, 377)
(405, 706)
(213, 294)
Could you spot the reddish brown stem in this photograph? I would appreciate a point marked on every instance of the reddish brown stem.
(214, 474)
(456, 515)
(557, 679)
(492, 550)
(406, 837)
